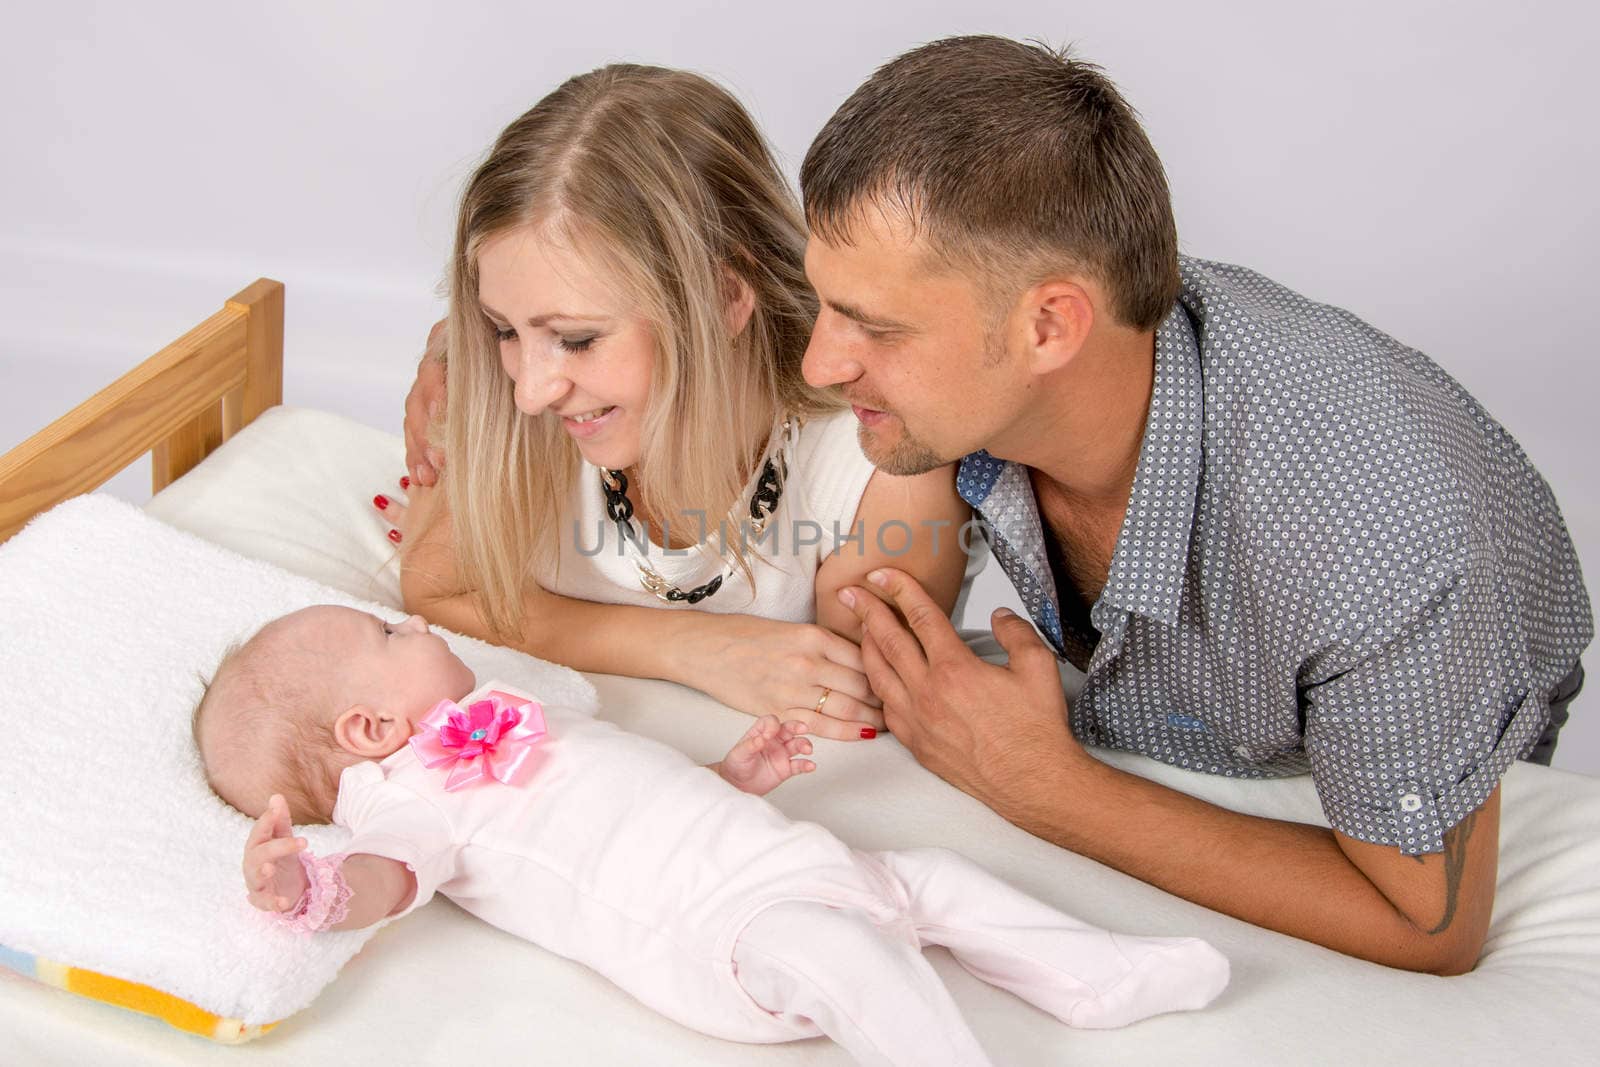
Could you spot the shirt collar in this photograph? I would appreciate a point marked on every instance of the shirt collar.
(1151, 558)
(1015, 522)
(1152, 555)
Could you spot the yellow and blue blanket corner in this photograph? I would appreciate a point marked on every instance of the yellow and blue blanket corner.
(174, 1011)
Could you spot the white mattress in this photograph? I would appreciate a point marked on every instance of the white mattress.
(441, 987)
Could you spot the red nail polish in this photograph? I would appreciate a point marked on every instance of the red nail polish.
(868, 733)
(394, 535)
(380, 502)
(405, 483)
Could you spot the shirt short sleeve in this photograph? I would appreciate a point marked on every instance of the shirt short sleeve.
(387, 819)
(834, 469)
(1418, 715)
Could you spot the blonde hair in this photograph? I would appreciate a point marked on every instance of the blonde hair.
(664, 182)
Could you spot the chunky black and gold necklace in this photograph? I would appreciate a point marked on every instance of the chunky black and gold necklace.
(774, 473)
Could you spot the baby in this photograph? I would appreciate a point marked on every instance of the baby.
(675, 881)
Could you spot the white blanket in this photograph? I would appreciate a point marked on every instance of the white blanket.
(117, 857)
(441, 988)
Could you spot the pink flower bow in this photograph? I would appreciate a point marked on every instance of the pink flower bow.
(489, 738)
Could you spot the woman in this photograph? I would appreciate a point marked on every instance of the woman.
(640, 482)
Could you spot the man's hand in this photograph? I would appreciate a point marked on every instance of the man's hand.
(766, 756)
(981, 727)
(424, 406)
(1000, 734)
(273, 875)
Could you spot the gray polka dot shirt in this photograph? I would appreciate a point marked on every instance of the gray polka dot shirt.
(1333, 560)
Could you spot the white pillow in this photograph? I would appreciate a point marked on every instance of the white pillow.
(296, 487)
(117, 857)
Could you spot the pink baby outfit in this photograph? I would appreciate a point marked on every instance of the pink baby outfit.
(710, 906)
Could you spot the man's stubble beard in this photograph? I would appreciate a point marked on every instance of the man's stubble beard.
(911, 456)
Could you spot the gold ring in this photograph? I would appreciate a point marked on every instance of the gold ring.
(826, 693)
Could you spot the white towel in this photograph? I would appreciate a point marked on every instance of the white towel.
(114, 854)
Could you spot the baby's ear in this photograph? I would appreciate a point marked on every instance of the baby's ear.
(366, 732)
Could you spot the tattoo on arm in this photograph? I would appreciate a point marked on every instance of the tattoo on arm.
(1455, 865)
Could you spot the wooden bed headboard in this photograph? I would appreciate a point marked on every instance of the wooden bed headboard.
(179, 404)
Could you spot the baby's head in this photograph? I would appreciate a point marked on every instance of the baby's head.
(313, 693)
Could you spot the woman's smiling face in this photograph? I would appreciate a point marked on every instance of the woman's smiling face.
(569, 341)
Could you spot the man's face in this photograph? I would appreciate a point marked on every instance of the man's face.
(909, 343)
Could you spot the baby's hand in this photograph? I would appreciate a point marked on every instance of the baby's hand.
(764, 758)
(273, 875)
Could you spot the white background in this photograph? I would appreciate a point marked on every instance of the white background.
(1430, 166)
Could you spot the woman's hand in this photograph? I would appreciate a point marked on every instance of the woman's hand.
(766, 756)
(273, 875)
(795, 671)
(424, 406)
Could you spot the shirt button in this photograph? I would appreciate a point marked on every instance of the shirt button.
(1242, 751)
(1410, 802)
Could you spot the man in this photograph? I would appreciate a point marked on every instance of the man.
(1272, 539)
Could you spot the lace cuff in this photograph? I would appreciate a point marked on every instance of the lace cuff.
(326, 900)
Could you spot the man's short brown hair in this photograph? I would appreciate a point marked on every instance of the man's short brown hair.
(1006, 157)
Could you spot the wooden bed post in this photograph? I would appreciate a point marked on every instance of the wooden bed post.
(179, 404)
(263, 376)
(262, 305)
